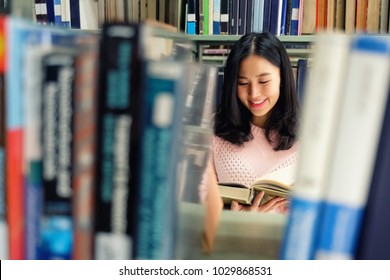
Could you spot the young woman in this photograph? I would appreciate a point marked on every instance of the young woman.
(255, 126)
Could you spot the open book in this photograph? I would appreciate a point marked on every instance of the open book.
(277, 183)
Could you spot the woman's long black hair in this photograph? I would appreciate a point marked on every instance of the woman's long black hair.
(232, 119)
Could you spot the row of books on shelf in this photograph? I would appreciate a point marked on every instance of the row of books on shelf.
(101, 137)
(91, 14)
(338, 208)
(228, 17)
(352, 16)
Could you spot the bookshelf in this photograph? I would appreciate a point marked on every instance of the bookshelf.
(297, 46)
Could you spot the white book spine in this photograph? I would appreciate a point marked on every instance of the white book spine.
(321, 109)
(360, 122)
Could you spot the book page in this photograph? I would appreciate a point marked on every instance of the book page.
(283, 177)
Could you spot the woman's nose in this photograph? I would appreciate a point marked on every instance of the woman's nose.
(254, 90)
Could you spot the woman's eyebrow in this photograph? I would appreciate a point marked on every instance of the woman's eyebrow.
(259, 75)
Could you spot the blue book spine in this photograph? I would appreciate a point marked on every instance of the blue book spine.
(34, 200)
(191, 18)
(373, 243)
(50, 12)
(57, 12)
(217, 17)
(295, 17)
(283, 18)
(75, 14)
(160, 121)
(266, 15)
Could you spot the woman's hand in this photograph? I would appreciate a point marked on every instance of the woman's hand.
(277, 204)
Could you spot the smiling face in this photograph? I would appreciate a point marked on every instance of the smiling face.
(258, 87)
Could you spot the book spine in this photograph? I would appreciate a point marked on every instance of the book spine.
(159, 122)
(217, 17)
(3, 205)
(65, 13)
(274, 17)
(206, 12)
(41, 12)
(14, 140)
(234, 15)
(75, 14)
(84, 149)
(224, 17)
(50, 12)
(373, 239)
(267, 16)
(191, 19)
(32, 147)
(295, 17)
(346, 195)
(57, 143)
(57, 12)
(302, 74)
(242, 17)
(112, 208)
(249, 16)
(320, 115)
(283, 13)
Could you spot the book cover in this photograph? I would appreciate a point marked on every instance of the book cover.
(346, 195)
(233, 16)
(361, 16)
(288, 17)
(283, 14)
(75, 14)
(302, 75)
(295, 17)
(340, 15)
(373, 241)
(57, 145)
(32, 146)
(275, 16)
(249, 16)
(41, 12)
(242, 15)
(157, 125)
(23, 33)
(258, 16)
(350, 16)
(373, 16)
(267, 16)
(216, 17)
(225, 17)
(57, 12)
(321, 109)
(330, 15)
(112, 222)
(84, 148)
(309, 17)
(384, 17)
(321, 15)
(191, 18)
(3, 207)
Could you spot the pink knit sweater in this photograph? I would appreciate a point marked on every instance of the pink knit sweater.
(243, 164)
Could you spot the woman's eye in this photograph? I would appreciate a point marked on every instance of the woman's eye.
(263, 82)
(242, 83)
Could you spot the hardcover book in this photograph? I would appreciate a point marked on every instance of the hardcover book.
(276, 183)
